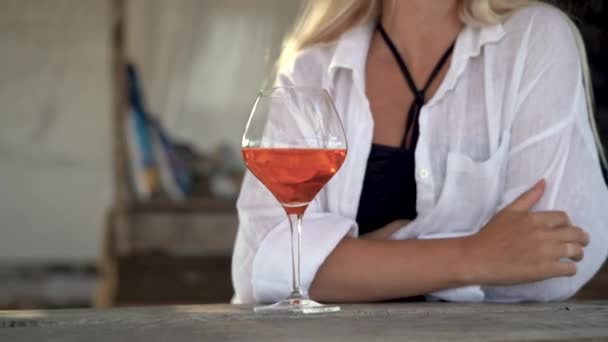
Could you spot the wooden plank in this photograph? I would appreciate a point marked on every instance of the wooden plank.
(194, 234)
(189, 206)
(583, 321)
(162, 279)
(171, 258)
(119, 145)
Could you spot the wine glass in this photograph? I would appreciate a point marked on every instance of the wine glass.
(294, 143)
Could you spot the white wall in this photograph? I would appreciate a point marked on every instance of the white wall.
(54, 98)
(203, 62)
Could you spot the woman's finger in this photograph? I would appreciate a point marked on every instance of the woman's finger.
(561, 269)
(553, 218)
(571, 234)
(573, 251)
(528, 199)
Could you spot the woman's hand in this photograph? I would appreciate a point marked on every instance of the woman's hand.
(520, 246)
(385, 232)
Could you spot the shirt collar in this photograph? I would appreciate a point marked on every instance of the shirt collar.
(352, 49)
(472, 39)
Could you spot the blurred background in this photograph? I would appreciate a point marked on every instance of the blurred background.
(117, 184)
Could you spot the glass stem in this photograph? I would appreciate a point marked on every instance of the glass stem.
(295, 222)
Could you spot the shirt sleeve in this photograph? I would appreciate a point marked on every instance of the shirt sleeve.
(552, 139)
(262, 259)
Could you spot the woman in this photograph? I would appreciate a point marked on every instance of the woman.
(472, 172)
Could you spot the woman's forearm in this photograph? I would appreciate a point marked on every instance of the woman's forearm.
(360, 270)
(515, 247)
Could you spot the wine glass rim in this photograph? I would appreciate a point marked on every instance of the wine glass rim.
(268, 92)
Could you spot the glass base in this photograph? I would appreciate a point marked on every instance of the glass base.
(297, 305)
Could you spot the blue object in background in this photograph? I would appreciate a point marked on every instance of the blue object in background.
(156, 164)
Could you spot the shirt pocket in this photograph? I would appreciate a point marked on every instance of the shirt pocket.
(472, 190)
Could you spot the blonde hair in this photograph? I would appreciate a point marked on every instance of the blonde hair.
(324, 21)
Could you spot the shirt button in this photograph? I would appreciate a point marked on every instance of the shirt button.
(424, 173)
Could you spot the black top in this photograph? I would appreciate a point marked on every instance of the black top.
(389, 186)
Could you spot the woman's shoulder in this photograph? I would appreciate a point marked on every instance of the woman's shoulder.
(316, 64)
(540, 22)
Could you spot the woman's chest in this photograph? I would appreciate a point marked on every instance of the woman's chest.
(395, 95)
(460, 159)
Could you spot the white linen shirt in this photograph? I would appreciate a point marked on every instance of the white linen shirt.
(510, 111)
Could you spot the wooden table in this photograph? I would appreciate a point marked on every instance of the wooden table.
(582, 321)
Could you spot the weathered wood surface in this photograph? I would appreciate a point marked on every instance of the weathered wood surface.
(583, 321)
